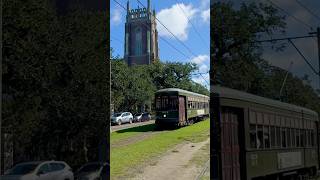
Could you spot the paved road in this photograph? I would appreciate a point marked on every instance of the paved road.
(126, 126)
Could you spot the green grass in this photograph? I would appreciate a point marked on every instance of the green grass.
(133, 155)
(126, 133)
(202, 157)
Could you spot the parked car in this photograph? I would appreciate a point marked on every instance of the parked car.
(137, 117)
(145, 116)
(119, 118)
(93, 171)
(39, 170)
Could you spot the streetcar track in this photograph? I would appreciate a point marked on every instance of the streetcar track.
(203, 170)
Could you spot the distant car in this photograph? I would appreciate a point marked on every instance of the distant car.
(137, 117)
(119, 118)
(145, 116)
(39, 170)
(93, 171)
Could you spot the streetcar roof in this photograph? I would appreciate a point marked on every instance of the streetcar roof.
(181, 91)
(240, 95)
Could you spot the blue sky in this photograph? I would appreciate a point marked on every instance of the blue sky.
(173, 14)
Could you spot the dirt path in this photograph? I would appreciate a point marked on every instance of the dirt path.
(176, 164)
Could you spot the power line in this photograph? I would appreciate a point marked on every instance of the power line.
(115, 38)
(280, 39)
(294, 17)
(304, 58)
(195, 29)
(306, 8)
(159, 36)
(166, 40)
(205, 80)
(182, 43)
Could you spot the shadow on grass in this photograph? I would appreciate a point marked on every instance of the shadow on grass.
(147, 128)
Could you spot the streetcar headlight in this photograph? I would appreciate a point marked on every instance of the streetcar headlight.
(164, 115)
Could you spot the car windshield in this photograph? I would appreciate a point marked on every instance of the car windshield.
(116, 114)
(22, 169)
(90, 168)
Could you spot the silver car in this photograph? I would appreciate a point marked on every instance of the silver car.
(93, 171)
(137, 117)
(119, 118)
(39, 170)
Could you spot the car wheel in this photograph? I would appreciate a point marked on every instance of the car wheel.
(119, 122)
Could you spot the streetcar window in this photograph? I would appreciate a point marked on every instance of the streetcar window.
(293, 141)
(312, 138)
(283, 138)
(278, 137)
(297, 138)
(309, 138)
(253, 136)
(302, 137)
(273, 136)
(167, 103)
(189, 104)
(158, 103)
(260, 137)
(288, 137)
(266, 136)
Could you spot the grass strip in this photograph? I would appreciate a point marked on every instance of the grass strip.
(126, 133)
(133, 155)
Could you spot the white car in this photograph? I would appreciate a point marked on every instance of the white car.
(119, 118)
(39, 170)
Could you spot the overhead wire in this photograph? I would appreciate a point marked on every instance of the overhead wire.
(192, 25)
(307, 9)
(190, 51)
(292, 16)
(183, 54)
(182, 43)
(165, 39)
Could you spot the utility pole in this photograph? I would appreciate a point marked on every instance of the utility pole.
(318, 37)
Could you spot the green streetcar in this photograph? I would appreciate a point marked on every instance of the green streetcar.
(260, 138)
(177, 107)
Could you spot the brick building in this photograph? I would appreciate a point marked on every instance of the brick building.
(141, 36)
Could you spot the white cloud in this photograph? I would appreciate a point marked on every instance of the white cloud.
(116, 16)
(200, 59)
(205, 15)
(203, 68)
(175, 20)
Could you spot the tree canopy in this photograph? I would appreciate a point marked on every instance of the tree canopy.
(55, 85)
(133, 86)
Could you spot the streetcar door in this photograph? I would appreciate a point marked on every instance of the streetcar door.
(182, 110)
(230, 149)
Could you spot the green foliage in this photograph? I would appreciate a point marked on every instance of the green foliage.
(133, 86)
(55, 81)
